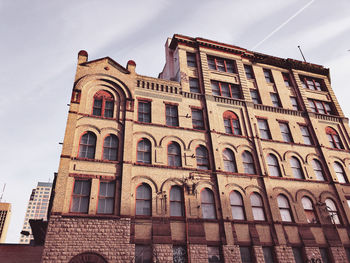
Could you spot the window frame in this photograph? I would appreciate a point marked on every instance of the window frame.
(171, 115)
(231, 123)
(307, 135)
(273, 167)
(275, 100)
(200, 159)
(248, 165)
(318, 170)
(142, 115)
(264, 129)
(287, 79)
(175, 157)
(257, 209)
(326, 107)
(294, 102)
(196, 121)
(234, 90)
(110, 148)
(229, 163)
(103, 96)
(106, 197)
(212, 205)
(310, 213)
(250, 72)
(144, 200)
(191, 59)
(87, 145)
(268, 76)
(144, 152)
(237, 206)
(285, 132)
(181, 201)
(340, 173)
(295, 168)
(305, 80)
(146, 249)
(194, 88)
(80, 196)
(214, 61)
(334, 138)
(283, 208)
(256, 98)
(333, 212)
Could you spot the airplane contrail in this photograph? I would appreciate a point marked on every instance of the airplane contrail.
(283, 24)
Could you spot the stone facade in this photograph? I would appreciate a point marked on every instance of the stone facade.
(227, 151)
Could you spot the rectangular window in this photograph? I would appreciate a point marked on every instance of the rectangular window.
(306, 135)
(312, 83)
(347, 250)
(81, 196)
(275, 99)
(225, 89)
(264, 129)
(294, 102)
(286, 78)
(191, 60)
(268, 254)
(320, 107)
(143, 254)
(221, 64)
(255, 96)
(179, 254)
(106, 198)
(246, 255)
(194, 85)
(325, 255)
(144, 111)
(298, 255)
(286, 135)
(197, 119)
(268, 75)
(214, 254)
(172, 117)
(249, 71)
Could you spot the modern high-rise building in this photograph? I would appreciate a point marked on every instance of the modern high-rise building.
(5, 215)
(37, 209)
(228, 156)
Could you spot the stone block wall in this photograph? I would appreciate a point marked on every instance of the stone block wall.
(163, 253)
(339, 254)
(198, 253)
(284, 254)
(231, 254)
(67, 237)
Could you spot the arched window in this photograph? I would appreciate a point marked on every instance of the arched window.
(284, 208)
(202, 158)
(316, 165)
(87, 145)
(237, 206)
(257, 206)
(248, 163)
(208, 204)
(144, 200)
(274, 168)
(332, 211)
(296, 168)
(144, 151)
(176, 201)
(110, 148)
(309, 210)
(174, 154)
(103, 104)
(333, 138)
(231, 123)
(339, 171)
(229, 161)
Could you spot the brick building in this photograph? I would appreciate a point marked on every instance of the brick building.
(5, 215)
(228, 156)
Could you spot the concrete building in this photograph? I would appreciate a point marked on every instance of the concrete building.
(37, 208)
(228, 156)
(5, 215)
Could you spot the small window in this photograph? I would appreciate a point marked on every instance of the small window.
(285, 131)
(221, 64)
(268, 254)
(172, 118)
(298, 255)
(174, 154)
(229, 161)
(106, 198)
(208, 204)
(318, 170)
(231, 123)
(248, 163)
(110, 148)
(191, 60)
(264, 129)
(194, 85)
(225, 89)
(246, 254)
(286, 79)
(81, 196)
(143, 254)
(285, 211)
(312, 83)
(275, 99)
(103, 104)
(273, 165)
(202, 158)
(257, 207)
(339, 171)
(87, 145)
(143, 200)
(333, 138)
(306, 135)
(321, 107)
(332, 211)
(309, 210)
(296, 168)
(176, 201)
(249, 71)
(144, 111)
(197, 119)
(214, 255)
(255, 96)
(294, 102)
(325, 255)
(268, 75)
(144, 151)
(179, 254)
(237, 207)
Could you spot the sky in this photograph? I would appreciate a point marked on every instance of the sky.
(40, 40)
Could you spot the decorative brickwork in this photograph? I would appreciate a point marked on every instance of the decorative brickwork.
(339, 254)
(162, 253)
(67, 237)
(198, 253)
(231, 254)
(284, 254)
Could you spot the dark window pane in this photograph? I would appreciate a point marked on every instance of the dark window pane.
(246, 255)
(268, 255)
(179, 254)
(298, 256)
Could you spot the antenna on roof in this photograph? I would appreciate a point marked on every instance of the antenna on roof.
(2, 192)
(302, 53)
